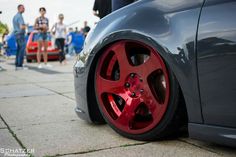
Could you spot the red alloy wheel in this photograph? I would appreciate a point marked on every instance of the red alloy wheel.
(132, 86)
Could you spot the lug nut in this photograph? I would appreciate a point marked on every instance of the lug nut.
(133, 94)
(159, 71)
(127, 85)
(132, 75)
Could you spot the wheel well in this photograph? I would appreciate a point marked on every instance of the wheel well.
(94, 112)
(181, 113)
(180, 119)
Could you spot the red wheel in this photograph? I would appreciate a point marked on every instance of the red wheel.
(132, 88)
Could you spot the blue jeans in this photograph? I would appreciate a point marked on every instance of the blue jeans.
(20, 52)
(43, 36)
(71, 49)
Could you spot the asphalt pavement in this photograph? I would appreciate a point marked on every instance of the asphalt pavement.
(37, 115)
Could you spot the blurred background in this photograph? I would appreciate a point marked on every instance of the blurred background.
(75, 11)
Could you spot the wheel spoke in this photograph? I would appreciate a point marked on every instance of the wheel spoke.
(122, 58)
(152, 101)
(109, 86)
(127, 116)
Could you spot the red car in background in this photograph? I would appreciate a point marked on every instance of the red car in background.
(32, 48)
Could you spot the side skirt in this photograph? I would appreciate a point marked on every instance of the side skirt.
(215, 134)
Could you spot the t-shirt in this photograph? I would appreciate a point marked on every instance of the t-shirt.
(103, 7)
(60, 30)
(78, 40)
(69, 38)
(86, 29)
(41, 21)
(17, 22)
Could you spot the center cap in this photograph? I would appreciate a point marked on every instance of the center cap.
(134, 85)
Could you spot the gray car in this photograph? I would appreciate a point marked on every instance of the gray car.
(156, 66)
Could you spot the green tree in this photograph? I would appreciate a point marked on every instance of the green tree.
(3, 27)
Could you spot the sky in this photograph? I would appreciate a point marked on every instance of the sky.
(73, 10)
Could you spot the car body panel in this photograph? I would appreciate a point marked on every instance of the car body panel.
(217, 63)
(32, 48)
(212, 133)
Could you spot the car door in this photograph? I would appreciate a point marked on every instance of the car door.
(216, 61)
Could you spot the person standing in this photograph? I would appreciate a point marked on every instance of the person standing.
(70, 42)
(19, 32)
(76, 30)
(60, 34)
(78, 41)
(101, 8)
(86, 29)
(42, 25)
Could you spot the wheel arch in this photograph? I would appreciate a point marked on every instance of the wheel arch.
(93, 109)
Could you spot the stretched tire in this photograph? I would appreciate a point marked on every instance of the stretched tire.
(136, 92)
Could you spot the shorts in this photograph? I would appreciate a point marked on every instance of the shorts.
(43, 37)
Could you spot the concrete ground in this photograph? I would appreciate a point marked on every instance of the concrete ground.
(37, 113)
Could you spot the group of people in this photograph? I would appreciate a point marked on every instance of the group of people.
(101, 8)
(75, 39)
(41, 24)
